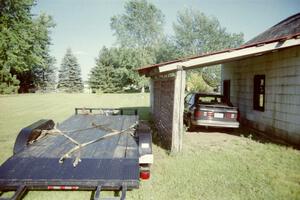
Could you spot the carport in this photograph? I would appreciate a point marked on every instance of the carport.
(168, 80)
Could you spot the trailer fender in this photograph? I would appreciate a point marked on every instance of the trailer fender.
(28, 134)
(145, 143)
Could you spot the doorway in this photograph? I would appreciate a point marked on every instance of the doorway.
(226, 90)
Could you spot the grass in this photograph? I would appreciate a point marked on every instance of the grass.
(211, 166)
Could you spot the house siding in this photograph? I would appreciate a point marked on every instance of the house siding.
(281, 117)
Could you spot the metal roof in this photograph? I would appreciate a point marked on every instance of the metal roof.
(288, 26)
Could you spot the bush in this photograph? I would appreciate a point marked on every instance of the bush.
(6, 89)
(8, 84)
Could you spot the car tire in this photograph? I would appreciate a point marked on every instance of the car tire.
(190, 126)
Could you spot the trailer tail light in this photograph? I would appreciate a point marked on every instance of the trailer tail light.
(144, 175)
(62, 187)
(197, 114)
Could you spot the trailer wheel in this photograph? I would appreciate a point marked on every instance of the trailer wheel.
(31, 132)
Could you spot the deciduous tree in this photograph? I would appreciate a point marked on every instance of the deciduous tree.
(196, 33)
(139, 30)
(24, 43)
(141, 26)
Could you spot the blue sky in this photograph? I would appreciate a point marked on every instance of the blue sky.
(84, 25)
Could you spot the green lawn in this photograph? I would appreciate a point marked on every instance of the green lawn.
(212, 165)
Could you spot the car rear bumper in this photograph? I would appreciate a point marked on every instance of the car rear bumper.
(215, 123)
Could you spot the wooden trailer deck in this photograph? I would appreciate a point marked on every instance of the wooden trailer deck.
(111, 163)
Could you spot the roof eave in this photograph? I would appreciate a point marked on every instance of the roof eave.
(228, 55)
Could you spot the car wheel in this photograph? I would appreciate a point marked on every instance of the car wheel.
(190, 126)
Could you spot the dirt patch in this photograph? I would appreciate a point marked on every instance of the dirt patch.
(213, 139)
(212, 136)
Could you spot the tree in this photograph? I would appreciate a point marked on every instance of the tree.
(103, 76)
(138, 31)
(15, 41)
(195, 83)
(44, 75)
(140, 27)
(167, 50)
(23, 44)
(9, 83)
(45, 78)
(69, 78)
(195, 33)
(114, 70)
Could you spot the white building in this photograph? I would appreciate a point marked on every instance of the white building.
(266, 88)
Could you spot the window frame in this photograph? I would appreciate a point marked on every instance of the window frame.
(259, 88)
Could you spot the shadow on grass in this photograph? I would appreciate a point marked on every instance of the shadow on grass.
(247, 132)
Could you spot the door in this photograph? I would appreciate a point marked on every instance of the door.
(226, 91)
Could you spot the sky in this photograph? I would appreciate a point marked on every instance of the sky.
(84, 25)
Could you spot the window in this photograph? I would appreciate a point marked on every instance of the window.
(259, 93)
(209, 99)
(189, 100)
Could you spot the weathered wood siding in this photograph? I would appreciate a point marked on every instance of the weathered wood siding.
(163, 108)
(167, 104)
(281, 117)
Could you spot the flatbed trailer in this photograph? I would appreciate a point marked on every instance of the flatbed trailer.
(111, 152)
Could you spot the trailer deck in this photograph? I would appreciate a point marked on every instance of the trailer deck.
(108, 164)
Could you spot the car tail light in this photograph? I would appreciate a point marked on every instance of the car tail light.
(197, 114)
(230, 115)
(144, 175)
(238, 115)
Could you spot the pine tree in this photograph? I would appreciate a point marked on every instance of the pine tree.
(44, 74)
(69, 78)
(104, 77)
(45, 77)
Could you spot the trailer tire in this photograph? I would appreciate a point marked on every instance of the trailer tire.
(30, 133)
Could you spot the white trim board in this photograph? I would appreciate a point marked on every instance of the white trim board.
(220, 58)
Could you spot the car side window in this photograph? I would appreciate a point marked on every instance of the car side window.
(187, 98)
(192, 100)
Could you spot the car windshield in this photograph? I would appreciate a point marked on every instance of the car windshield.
(209, 99)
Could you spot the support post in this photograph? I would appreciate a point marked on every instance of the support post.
(178, 108)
